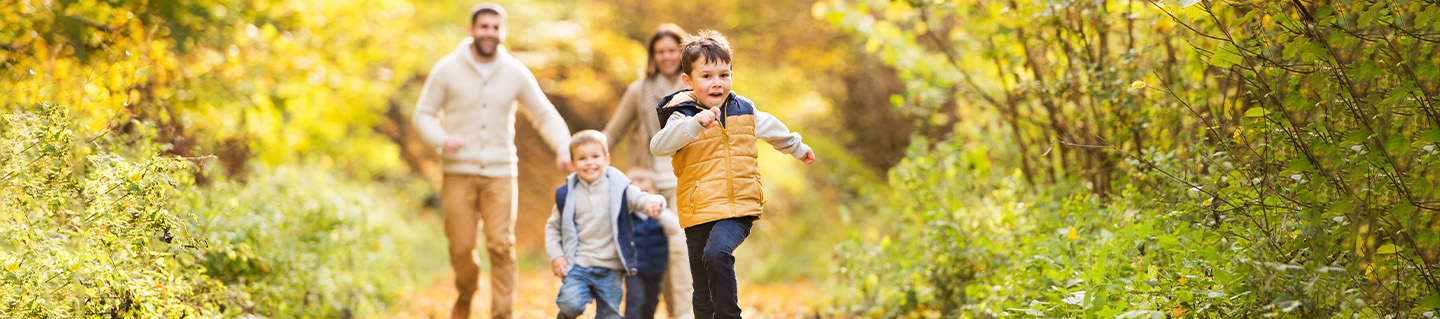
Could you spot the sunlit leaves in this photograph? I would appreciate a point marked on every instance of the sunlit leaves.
(90, 233)
(1311, 168)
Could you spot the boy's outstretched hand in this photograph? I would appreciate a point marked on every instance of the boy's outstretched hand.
(809, 157)
(654, 207)
(558, 266)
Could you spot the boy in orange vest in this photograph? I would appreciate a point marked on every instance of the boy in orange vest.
(710, 133)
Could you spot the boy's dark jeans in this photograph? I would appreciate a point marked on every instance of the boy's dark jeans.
(712, 262)
(642, 295)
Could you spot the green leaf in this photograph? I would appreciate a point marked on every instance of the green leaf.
(1300, 164)
(1226, 58)
(1431, 135)
(1366, 18)
(1256, 112)
(1291, 48)
(1423, 18)
(1432, 302)
(1404, 209)
(1398, 145)
(1427, 238)
(1358, 136)
(1340, 207)
(1387, 249)
(1168, 241)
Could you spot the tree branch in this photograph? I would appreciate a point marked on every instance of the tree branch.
(12, 47)
(95, 24)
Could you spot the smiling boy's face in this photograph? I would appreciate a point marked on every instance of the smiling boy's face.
(710, 80)
(590, 160)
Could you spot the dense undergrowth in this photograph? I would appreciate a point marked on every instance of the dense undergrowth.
(106, 227)
(1131, 159)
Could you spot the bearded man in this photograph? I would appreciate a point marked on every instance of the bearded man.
(467, 109)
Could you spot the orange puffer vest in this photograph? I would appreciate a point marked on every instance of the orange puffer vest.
(719, 172)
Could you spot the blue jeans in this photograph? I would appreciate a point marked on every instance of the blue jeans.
(583, 284)
(642, 295)
(712, 262)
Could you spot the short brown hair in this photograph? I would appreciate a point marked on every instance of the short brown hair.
(588, 137)
(709, 45)
(668, 30)
(486, 8)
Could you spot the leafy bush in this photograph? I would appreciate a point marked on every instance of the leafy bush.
(103, 227)
(303, 242)
(1284, 166)
(91, 233)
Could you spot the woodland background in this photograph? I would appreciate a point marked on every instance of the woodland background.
(1125, 159)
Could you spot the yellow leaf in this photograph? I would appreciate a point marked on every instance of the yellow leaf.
(1164, 24)
(1137, 85)
(1071, 233)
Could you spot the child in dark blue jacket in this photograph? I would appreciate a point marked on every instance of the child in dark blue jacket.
(652, 247)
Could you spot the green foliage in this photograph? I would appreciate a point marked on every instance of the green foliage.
(1327, 174)
(123, 232)
(304, 243)
(91, 233)
(1057, 79)
(970, 241)
(1278, 163)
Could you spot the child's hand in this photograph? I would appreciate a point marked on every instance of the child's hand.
(809, 157)
(654, 207)
(558, 266)
(707, 118)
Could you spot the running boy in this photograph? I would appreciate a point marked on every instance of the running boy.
(589, 233)
(711, 133)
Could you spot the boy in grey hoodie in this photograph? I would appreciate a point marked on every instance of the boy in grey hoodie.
(589, 235)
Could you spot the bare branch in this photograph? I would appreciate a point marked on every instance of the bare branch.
(95, 24)
(950, 56)
(1186, 25)
(12, 47)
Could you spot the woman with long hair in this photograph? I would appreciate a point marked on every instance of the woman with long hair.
(637, 120)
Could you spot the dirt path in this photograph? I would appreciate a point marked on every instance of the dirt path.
(536, 299)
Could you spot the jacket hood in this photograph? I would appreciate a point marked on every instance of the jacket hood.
(684, 102)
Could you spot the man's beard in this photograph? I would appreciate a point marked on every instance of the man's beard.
(479, 49)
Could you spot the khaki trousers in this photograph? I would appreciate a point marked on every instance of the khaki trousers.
(677, 289)
(469, 201)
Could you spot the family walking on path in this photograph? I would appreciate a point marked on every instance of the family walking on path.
(696, 189)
